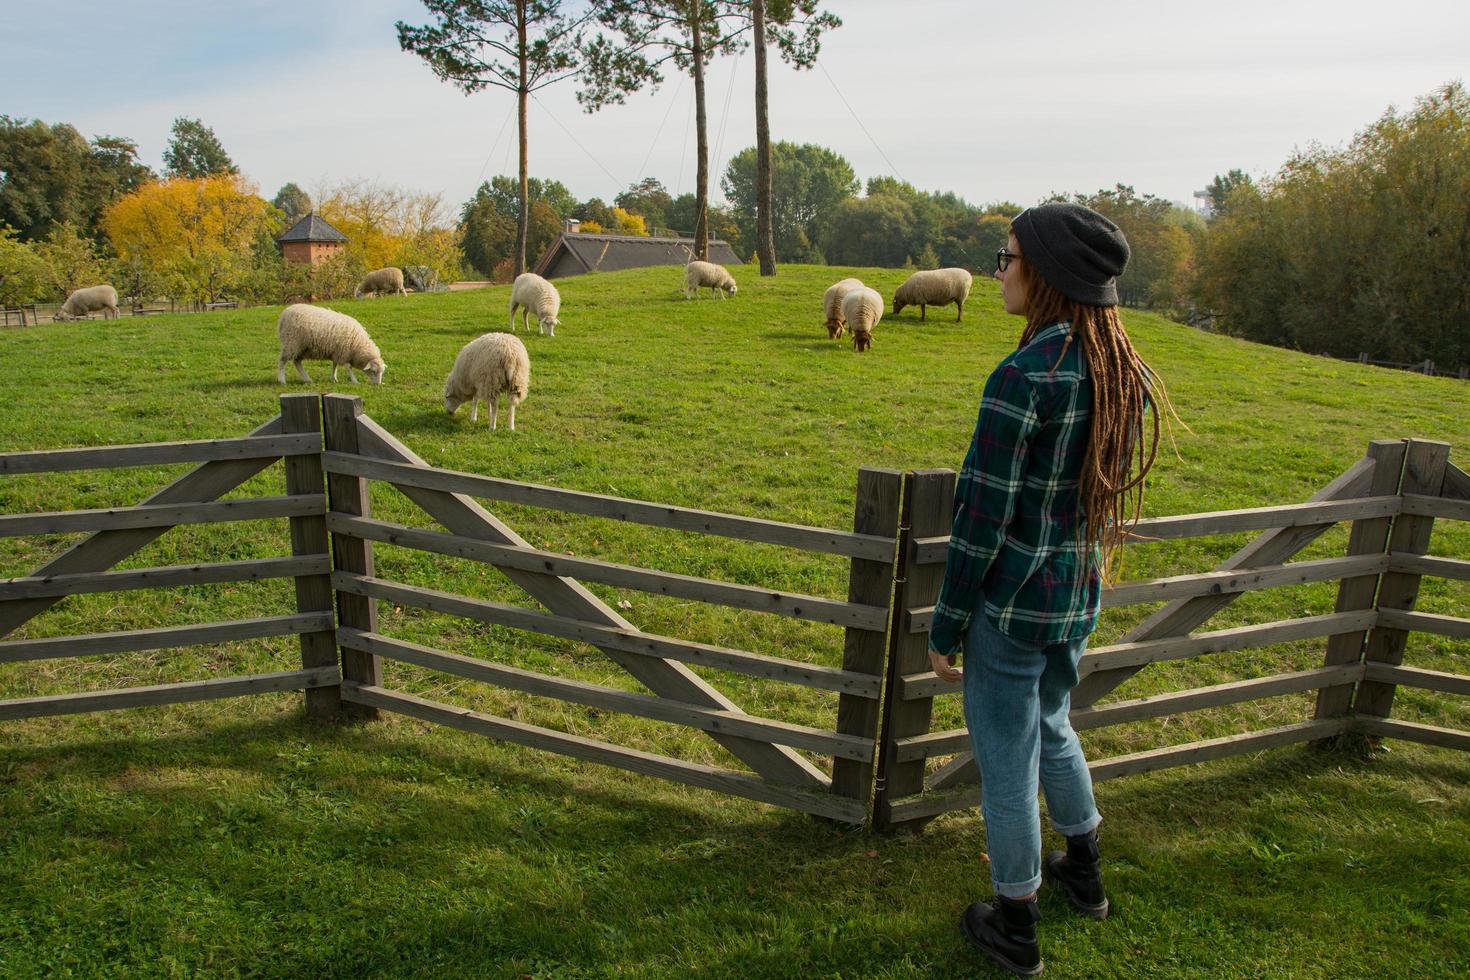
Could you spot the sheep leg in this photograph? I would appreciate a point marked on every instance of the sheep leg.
(352, 374)
(281, 371)
(959, 310)
(490, 404)
(512, 412)
(512, 318)
(923, 312)
(301, 370)
(475, 407)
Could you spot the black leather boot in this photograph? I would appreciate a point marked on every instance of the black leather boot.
(1079, 873)
(1005, 931)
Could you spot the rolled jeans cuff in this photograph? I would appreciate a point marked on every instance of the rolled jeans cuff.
(1076, 830)
(1021, 890)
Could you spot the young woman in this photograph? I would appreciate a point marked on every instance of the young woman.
(1052, 482)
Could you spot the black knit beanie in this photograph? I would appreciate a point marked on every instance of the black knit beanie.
(1075, 249)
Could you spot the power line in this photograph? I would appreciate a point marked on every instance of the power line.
(684, 155)
(493, 146)
(643, 169)
(619, 184)
(855, 118)
(725, 117)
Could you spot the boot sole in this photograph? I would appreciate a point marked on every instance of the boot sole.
(997, 958)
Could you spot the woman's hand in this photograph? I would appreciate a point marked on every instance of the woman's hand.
(944, 667)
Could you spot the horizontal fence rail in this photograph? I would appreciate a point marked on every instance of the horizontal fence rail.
(850, 544)
(816, 609)
(160, 515)
(1390, 497)
(158, 453)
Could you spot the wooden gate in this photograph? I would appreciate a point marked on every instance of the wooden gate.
(359, 450)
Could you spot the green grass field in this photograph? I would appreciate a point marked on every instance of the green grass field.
(235, 837)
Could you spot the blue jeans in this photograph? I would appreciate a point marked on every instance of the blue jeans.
(1017, 696)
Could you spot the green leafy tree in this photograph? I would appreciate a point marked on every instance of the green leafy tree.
(639, 39)
(489, 222)
(721, 222)
(50, 175)
(521, 46)
(1365, 248)
(194, 151)
(23, 275)
(292, 201)
(648, 198)
(71, 260)
(808, 183)
(1222, 187)
(872, 230)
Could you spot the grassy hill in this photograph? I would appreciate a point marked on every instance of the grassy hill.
(235, 837)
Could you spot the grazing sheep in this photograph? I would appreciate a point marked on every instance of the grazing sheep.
(934, 287)
(832, 305)
(89, 300)
(699, 274)
(534, 296)
(862, 308)
(486, 366)
(319, 334)
(379, 282)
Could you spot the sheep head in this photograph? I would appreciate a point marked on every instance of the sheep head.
(835, 328)
(861, 340)
(374, 370)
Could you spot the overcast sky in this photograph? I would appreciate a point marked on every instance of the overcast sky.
(992, 100)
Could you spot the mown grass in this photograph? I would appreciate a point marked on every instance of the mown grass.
(236, 837)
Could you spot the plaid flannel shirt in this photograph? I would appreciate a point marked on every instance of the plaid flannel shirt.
(1016, 539)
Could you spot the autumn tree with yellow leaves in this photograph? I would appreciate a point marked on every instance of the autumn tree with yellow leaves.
(195, 239)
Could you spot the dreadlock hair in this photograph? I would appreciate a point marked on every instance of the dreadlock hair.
(1126, 394)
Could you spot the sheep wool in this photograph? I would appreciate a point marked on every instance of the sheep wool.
(89, 300)
(832, 305)
(319, 334)
(862, 308)
(535, 296)
(698, 275)
(381, 282)
(934, 287)
(488, 365)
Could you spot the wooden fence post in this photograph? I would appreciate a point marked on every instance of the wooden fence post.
(349, 495)
(1424, 472)
(875, 511)
(928, 500)
(1368, 537)
(302, 413)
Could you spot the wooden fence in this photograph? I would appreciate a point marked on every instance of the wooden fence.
(116, 533)
(1391, 497)
(881, 745)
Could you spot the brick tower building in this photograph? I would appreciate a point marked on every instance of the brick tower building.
(310, 240)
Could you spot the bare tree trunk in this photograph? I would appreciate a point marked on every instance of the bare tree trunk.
(523, 221)
(765, 236)
(701, 192)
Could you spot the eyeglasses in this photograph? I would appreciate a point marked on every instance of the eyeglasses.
(1003, 259)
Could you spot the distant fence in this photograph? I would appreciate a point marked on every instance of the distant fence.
(1425, 366)
(876, 758)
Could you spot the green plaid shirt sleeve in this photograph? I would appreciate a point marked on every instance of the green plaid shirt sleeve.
(986, 492)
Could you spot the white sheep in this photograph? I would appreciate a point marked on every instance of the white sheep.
(535, 296)
(862, 308)
(832, 305)
(84, 301)
(699, 274)
(486, 366)
(934, 287)
(379, 282)
(319, 334)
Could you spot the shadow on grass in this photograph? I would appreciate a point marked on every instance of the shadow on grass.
(501, 860)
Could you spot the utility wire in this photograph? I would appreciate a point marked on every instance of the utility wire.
(725, 117)
(618, 184)
(493, 146)
(855, 118)
(643, 169)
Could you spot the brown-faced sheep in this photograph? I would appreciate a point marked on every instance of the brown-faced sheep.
(862, 309)
(832, 305)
